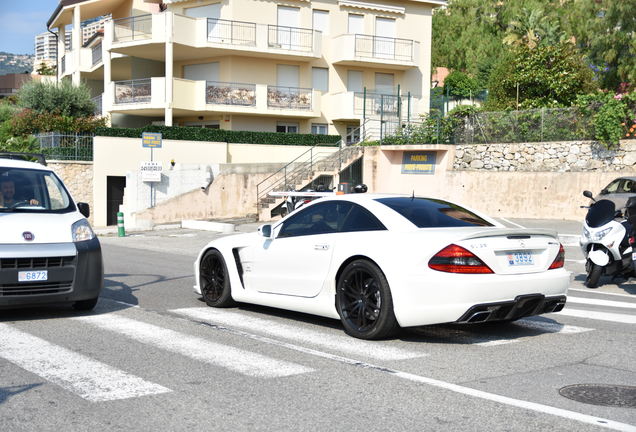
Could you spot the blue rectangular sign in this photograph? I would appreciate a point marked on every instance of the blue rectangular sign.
(151, 140)
(418, 162)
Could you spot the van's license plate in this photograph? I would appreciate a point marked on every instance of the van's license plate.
(33, 276)
(520, 259)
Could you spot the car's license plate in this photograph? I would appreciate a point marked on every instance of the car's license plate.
(520, 258)
(33, 276)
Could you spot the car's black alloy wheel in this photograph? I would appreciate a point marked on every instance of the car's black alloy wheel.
(214, 280)
(364, 302)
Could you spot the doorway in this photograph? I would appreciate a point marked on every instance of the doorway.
(114, 197)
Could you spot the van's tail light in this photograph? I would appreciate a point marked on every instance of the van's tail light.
(632, 240)
(559, 261)
(456, 259)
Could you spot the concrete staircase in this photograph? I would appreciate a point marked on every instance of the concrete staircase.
(297, 174)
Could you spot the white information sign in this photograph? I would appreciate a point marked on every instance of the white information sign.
(150, 171)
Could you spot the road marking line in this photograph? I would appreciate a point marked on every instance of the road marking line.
(88, 378)
(532, 406)
(238, 360)
(547, 327)
(602, 316)
(339, 342)
(592, 291)
(599, 302)
(512, 223)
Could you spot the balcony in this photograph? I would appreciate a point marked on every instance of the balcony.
(133, 91)
(293, 98)
(143, 36)
(355, 106)
(96, 54)
(372, 51)
(223, 93)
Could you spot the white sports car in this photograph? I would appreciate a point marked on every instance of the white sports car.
(381, 262)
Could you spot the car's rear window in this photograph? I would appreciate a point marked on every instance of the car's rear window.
(433, 213)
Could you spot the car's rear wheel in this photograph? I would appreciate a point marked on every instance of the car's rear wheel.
(214, 280)
(594, 272)
(364, 302)
(85, 305)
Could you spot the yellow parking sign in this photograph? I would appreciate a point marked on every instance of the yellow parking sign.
(151, 140)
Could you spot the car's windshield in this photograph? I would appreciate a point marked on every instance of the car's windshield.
(433, 213)
(27, 190)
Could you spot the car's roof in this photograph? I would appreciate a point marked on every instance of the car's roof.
(16, 163)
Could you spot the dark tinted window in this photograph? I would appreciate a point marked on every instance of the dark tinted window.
(432, 213)
(360, 219)
(322, 218)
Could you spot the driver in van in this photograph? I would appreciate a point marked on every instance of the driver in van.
(7, 199)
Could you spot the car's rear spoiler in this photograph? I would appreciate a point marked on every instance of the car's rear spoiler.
(516, 233)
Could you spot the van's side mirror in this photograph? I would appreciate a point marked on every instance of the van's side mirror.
(84, 209)
(587, 194)
(265, 231)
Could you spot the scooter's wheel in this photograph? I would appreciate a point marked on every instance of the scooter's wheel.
(593, 274)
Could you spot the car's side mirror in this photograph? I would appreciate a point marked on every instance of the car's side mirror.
(265, 231)
(84, 209)
(587, 194)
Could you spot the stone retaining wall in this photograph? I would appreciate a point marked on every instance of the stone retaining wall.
(78, 179)
(546, 157)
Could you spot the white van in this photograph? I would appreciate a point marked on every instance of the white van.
(48, 250)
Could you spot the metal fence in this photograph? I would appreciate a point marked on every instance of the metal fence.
(290, 38)
(231, 32)
(289, 97)
(133, 28)
(58, 146)
(379, 47)
(536, 125)
(133, 91)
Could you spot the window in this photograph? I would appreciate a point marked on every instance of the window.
(354, 81)
(287, 127)
(361, 219)
(320, 78)
(355, 24)
(319, 128)
(211, 124)
(432, 213)
(287, 75)
(320, 218)
(353, 134)
(202, 72)
(321, 21)
(611, 188)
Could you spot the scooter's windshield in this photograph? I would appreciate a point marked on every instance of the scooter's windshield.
(600, 213)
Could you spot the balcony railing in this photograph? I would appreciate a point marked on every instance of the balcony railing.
(231, 32)
(289, 97)
(133, 28)
(63, 65)
(96, 53)
(135, 91)
(97, 100)
(379, 47)
(378, 103)
(290, 38)
(225, 93)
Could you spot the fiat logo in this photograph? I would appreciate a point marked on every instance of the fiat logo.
(28, 236)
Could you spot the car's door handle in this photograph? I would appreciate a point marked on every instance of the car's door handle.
(321, 247)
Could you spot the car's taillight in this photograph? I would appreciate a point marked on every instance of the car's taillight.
(456, 259)
(559, 261)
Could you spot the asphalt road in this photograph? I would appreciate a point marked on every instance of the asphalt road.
(152, 356)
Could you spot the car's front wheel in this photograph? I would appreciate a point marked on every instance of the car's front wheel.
(364, 302)
(214, 280)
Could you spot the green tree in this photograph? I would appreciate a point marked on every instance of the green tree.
(605, 32)
(63, 99)
(44, 69)
(534, 27)
(460, 84)
(546, 76)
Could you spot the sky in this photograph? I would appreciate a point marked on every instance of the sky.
(21, 21)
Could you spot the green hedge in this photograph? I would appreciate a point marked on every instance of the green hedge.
(220, 135)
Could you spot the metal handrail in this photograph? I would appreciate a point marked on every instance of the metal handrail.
(382, 47)
(233, 32)
(291, 38)
(137, 28)
(133, 91)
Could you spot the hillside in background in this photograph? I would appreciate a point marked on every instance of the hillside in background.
(15, 63)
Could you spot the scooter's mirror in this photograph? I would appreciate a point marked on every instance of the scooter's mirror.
(588, 194)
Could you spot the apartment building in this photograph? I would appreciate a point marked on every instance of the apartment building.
(296, 66)
(46, 47)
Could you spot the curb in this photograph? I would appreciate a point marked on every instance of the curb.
(208, 226)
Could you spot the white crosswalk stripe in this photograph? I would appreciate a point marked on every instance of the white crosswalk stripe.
(601, 316)
(88, 378)
(235, 359)
(340, 341)
(600, 302)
